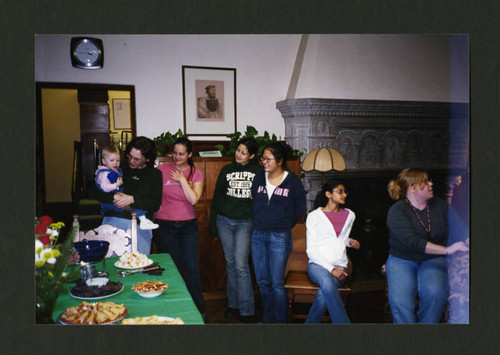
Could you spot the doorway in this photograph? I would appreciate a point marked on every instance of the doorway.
(76, 114)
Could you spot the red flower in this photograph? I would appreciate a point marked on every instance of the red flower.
(45, 221)
(45, 239)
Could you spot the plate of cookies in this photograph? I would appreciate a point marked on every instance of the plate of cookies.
(99, 313)
(96, 289)
(150, 289)
(152, 320)
(133, 260)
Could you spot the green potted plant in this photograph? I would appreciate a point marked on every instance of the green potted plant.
(251, 132)
(164, 142)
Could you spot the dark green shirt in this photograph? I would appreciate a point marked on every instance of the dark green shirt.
(145, 185)
(232, 193)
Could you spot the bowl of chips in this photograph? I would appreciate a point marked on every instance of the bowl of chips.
(150, 289)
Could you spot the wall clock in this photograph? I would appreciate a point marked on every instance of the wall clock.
(87, 53)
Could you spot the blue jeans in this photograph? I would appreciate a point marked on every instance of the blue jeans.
(270, 251)
(236, 237)
(143, 236)
(406, 278)
(327, 297)
(181, 241)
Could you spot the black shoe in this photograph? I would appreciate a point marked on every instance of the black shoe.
(231, 312)
(246, 319)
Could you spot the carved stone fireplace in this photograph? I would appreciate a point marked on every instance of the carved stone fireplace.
(377, 140)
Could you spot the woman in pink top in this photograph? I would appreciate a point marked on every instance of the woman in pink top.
(328, 229)
(178, 233)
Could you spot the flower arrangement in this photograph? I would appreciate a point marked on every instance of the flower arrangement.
(51, 261)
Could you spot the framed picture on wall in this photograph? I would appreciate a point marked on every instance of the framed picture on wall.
(121, 114)
(209, 96)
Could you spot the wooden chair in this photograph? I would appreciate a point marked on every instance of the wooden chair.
(299, 286)
(120, 241)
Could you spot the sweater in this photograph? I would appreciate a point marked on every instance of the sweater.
(232, 193)
(145, 185)
(324, 247)
(407, 236)
(285, 207)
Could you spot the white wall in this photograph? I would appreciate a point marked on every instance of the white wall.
(392, 67)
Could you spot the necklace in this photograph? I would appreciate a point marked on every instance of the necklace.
(428, 230)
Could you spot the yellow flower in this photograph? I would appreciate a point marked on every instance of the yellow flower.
(55, 253)
(51, 274)
(46, 254)
(39, 262)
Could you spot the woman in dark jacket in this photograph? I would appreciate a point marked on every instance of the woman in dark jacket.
(231, 219)
(279, 203)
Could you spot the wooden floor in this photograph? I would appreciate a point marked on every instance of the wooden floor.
(365, 304)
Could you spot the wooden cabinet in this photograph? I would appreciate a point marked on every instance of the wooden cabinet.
(211, 257)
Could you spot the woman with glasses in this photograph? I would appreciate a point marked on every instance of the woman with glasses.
(178, 232)
(328, 229)
(142, 188)
(279, 203)
(419, 227)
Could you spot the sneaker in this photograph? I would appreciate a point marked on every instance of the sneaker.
(231, 312)
(147, 224)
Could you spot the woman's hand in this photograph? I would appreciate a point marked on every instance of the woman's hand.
(354, 243)
(177, 175)
(339, 273)
(123, 201)
(458, 246)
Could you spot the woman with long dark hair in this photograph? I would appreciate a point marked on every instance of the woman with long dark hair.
(178, 232)
(231, 219)
(328, 229)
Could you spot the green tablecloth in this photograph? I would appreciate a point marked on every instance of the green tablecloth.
(174, 302)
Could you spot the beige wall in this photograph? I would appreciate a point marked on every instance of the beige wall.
(379, 67)
(61, 127)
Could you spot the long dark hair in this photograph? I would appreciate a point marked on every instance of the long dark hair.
(146, 146)
(251, 144)
(189, 149)
(321, 199)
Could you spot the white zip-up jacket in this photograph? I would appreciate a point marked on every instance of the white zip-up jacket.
(323, 246)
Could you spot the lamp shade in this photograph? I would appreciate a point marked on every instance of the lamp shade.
(323, 160)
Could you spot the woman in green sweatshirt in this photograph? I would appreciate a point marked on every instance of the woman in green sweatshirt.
(231, 219)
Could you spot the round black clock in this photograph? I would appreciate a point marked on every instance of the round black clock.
(87, 53)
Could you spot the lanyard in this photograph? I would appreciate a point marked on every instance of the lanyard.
(420, 219)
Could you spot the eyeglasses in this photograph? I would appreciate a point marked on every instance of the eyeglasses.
(134, 159)
(265, 160)
(340, 192)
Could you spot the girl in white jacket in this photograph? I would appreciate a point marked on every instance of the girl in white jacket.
(328, 228)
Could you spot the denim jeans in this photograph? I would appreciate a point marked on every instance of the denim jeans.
(181, 241)
(327, 297)
(406, 278)
(236, 237)
(143, 236)
(270, 251)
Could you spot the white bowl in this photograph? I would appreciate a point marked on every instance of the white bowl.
(150, 294)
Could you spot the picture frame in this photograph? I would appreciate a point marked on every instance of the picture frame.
(209, 97)
(121, 114)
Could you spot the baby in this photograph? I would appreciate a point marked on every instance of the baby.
(108, 178)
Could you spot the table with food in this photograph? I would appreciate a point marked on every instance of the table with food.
(131, 289)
